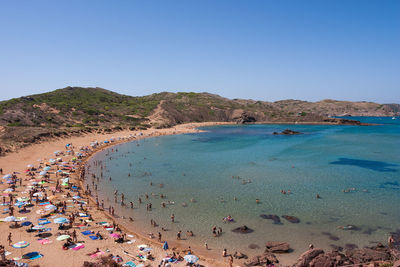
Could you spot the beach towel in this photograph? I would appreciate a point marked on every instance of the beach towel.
(78, 246)
(44, 241)
(43, 203)
(97, 254)
(129, 264)
(93, 237)
(43, 222)
(87, 232)
(32, 255)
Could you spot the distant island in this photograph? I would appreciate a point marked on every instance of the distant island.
(75, 110)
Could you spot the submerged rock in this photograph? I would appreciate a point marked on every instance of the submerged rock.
(277, 247)
(253, 246)
(287, 132)
(274, 218)
(243, 230)
(291, 219)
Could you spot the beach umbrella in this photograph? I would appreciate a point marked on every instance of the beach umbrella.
(43, 173)
(7, 176)
(30, 166)
(27, 223)
(41, 212)
(61, 220)
(114, 235)
(63, 237)
(38, 194)
(10, 219)
(117, 259)
(38, 227)
(20, 244)
(8, 190)
(49, 207)
(165, 246)
(47, 168)
(191, 258)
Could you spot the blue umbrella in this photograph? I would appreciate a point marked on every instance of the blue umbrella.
(27, 223)
(42, 173)
(47, 168)
(7, 176)
(165, 246)
(60, 220)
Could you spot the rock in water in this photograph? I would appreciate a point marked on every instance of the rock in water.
(287, 132)
(243, 230)
(291, 219)
(277, 247)
(272, 217)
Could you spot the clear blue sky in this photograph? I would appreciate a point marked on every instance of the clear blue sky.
(264, 50)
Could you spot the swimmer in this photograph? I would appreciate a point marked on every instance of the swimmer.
(257, 201)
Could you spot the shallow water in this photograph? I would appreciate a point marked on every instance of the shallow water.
(325, 160)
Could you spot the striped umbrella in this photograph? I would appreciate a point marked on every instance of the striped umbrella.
(21, 244)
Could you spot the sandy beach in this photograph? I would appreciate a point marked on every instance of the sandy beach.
(53, 254)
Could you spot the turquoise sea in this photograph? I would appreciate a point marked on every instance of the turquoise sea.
(207, 170)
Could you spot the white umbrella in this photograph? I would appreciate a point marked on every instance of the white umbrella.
(10, 219)
(191, 258)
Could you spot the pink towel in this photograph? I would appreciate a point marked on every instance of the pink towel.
(78, 247)
(97, 254)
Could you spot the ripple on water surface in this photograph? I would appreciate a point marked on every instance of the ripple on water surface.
(208, 176)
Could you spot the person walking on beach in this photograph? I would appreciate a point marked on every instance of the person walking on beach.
(74, 237)
(159, 237)
(172, 217)
(9, 239)
(178, 235)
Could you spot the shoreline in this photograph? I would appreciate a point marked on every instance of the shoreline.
(17, 162)
(208, 257)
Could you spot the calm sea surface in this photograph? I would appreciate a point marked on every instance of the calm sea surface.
(208, 170)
